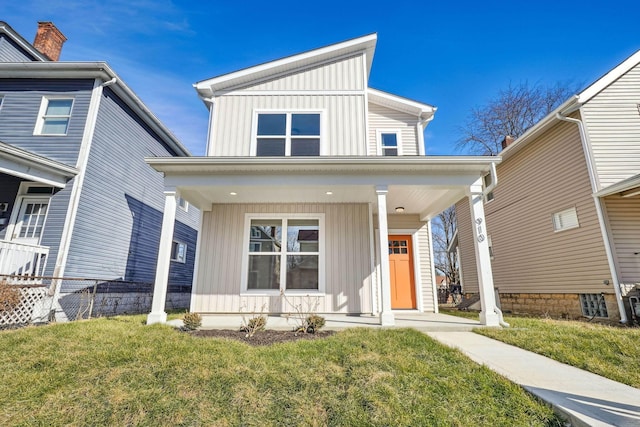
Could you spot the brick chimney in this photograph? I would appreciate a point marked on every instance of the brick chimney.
(507, 141)
(49, 40)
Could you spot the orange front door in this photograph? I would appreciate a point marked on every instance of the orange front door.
(403, 290)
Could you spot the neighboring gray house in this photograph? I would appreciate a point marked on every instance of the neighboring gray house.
(76, 196)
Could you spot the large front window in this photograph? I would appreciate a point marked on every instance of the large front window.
(288, 134)
(283, 253)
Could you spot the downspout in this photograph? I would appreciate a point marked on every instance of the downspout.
(420, 127)
(109, 83)
(485, 192)
(212, 104)
(599, 211)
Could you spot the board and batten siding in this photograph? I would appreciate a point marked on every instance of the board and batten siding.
(119, 217)
(341, 74)
(342, 132)
(623, 214)
(11, 52)
(347, 262)
(383, 118)
(20, 105)
(613, 124)
(547, 176)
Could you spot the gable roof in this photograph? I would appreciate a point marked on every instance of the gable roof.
(94, 70)
(399, 103)
(207, 88)
(572, 104)
(22, 42)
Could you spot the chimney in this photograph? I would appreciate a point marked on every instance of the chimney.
(507, 141)
(49, 40)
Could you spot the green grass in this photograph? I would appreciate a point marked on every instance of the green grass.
(612, 352)
(119, 372)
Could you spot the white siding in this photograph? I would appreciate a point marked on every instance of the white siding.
(347, 260)
(343, 74)
(613, 124)
(624, 224)
(383, 118)
(343, 127)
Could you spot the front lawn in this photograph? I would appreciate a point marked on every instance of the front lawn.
(612, 352)
(117, 371)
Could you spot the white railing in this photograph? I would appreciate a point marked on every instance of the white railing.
(19, 259)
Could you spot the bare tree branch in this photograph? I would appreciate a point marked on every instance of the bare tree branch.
(444, 229)
(510, 113)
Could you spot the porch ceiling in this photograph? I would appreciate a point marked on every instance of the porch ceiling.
(424, 186)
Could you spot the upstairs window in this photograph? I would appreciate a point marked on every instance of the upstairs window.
(54, 116)
(389, 143)
(565, 220)
(287, 134)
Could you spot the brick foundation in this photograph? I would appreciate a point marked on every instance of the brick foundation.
(559, 306)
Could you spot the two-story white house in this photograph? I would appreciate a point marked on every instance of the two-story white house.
(316, 186)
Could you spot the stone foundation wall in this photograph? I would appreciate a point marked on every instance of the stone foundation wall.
(559, 306)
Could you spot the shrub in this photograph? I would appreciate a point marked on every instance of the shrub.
(254, 324)
(192, 321)
(314, 323)
(10, 297)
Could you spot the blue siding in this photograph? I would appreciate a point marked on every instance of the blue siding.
(11, 52)
(20, 106)
(55, 223)
(119, 218)
(9, 186)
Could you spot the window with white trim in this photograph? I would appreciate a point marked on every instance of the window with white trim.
(54, 116)
(287, 134)
(486, 182)
(284, 253)
(183, 204)
(389, 142)
(179, 251)
(565, 220)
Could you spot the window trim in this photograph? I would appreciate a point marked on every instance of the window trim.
(246, 238)
(253, 149)
(184, 205)
(186, 248)
(44, 104)
(486, 182)
(379, 148)
(557, 213)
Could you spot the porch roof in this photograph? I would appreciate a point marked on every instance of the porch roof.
(421, 185)
(25, 164)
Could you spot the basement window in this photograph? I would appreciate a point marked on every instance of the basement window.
(593, 305)
(565, 220)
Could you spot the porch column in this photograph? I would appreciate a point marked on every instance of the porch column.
(158, 315)
(488, 315)
(386, 315)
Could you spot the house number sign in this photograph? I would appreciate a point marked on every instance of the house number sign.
(479, 230)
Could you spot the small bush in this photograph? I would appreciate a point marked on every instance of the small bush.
(192, 321)
(314, 323)
(10, 297)
(254, 324)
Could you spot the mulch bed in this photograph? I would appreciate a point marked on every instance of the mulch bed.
(266, 337)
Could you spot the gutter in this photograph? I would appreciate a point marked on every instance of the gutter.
(600, 212)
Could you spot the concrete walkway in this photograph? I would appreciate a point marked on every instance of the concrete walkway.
(585, 399)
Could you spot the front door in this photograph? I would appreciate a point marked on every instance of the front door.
(29, 222)
(403, 289)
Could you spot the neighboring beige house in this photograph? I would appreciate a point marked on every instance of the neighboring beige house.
(316, 187)
(564, 221)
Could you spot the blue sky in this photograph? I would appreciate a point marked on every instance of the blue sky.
(452, 54)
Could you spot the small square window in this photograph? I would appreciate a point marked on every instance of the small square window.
(183, 204)
(54, 116)
(565, 220)
(486, 181)
(593, 305)
(389, 144)
(179, 252)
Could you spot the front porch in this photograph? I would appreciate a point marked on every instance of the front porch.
(369, 214)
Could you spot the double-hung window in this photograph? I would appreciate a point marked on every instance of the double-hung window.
(54, 116)
(288, 134)
(389, 143)
(283, 253)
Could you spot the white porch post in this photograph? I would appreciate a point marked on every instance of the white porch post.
(386, 315)
(158, 315)
(488, 315)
